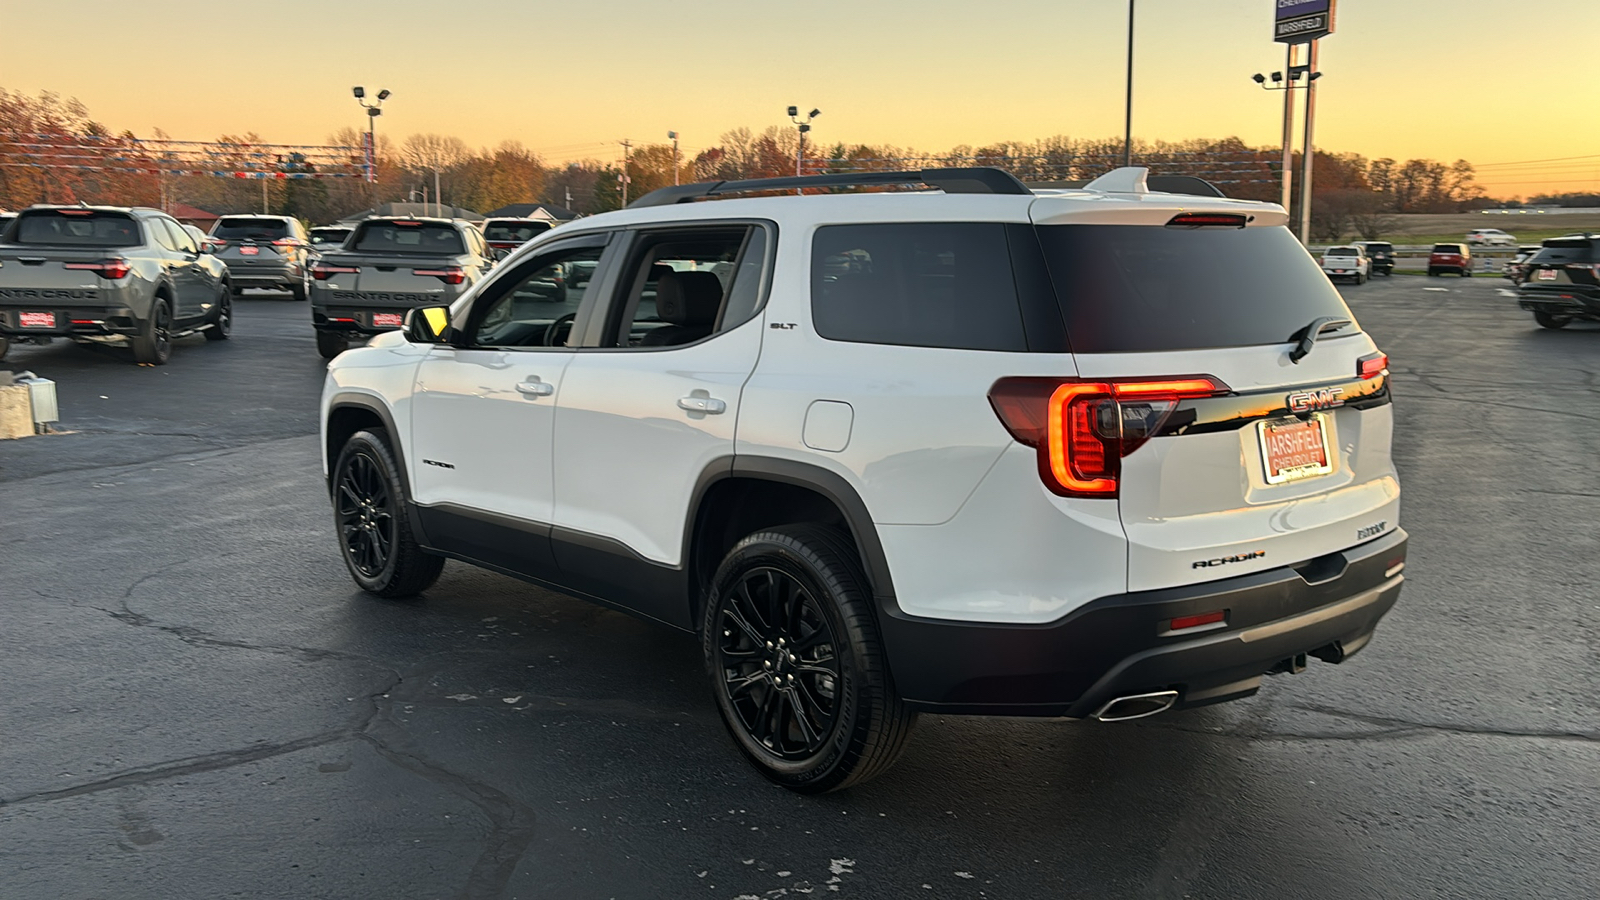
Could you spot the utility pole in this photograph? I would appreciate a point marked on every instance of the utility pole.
(438, 198)
(675, 165)
(624, 176)
(265, 208)
(1308, 149)
(374, 110)
(1292, 51)
(1127, 122)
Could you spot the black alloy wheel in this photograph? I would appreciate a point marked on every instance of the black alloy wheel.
(153, 344)
(364, 511)
(222, 323)
(1549, 320)
(375, 538)
(799, 673)
(780, 674)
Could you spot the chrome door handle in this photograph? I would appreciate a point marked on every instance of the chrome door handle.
(536, 388)
(708, 405)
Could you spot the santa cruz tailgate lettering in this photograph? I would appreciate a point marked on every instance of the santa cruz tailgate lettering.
(383, 297)
(47, 294)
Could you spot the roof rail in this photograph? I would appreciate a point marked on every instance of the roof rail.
(974, 180)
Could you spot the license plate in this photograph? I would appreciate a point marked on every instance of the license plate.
(1547, 275)
(36, 320)
(1340, 272)
(388, 320)
(247, 250)
(1293, 449)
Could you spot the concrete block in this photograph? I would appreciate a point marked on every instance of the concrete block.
(16, 411)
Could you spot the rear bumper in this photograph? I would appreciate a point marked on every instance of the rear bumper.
(73, 320)
(1122, 645)
(1568, 300)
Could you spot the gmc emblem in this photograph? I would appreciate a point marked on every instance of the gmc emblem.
(1306, 401)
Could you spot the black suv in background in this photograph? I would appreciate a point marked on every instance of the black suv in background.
(1561, 283)
(1381, 253)
(265, 252)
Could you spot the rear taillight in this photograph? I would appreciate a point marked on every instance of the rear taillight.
(105, 268)
(1372, 365)
(1083, 429)
(285, 242)
(323, 271)
(1207, 220)
(451, 275)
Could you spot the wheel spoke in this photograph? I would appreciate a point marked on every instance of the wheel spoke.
(806, 669)
(808, 732)
(749, 631)
(738, 686)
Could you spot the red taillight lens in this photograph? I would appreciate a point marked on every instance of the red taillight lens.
(105, 268)
(1372, 365)
(452, 275)
(1083, 429)
(323, 272)
(1207, 220)
(1211, 618)
(285, 242)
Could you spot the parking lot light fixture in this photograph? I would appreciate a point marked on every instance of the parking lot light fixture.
(374, 110)
(802, 126)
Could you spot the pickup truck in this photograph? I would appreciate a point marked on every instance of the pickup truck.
(1346, 262)
(389, 266)
(109, 275)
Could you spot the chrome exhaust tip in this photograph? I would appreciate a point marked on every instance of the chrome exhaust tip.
(1136, 706)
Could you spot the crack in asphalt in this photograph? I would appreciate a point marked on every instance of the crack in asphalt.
(512, 822)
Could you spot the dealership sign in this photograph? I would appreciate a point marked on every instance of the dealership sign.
(1301, 21)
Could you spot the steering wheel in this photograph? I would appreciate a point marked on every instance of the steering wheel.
(557, 332)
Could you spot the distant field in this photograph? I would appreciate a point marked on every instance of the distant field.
(1427, 228)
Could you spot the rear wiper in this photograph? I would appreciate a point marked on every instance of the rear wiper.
(1308, 335)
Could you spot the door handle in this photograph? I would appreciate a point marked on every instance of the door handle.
(708, 405)
(533, 387)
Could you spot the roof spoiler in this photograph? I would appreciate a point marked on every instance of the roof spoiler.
(973, 180)
(1138, 180)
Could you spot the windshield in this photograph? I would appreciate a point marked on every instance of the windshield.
(323, 236)
(79, 228)
(251, 229)
(409, 237)
(507, 232)
(1138, 288)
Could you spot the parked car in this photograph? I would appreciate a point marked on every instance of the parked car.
(6, 219)
(386, 267)
(1381, 256)
(265, 252)
(328, 237)
(1450, 258)
(1349, 261)
(109, 275)
(505, 235)
(1563, 281)
(1516, 268)
(1490, 237)
(1023, 454)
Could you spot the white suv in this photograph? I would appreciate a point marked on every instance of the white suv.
(968, 449)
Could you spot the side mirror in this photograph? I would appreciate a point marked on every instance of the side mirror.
(427, 324)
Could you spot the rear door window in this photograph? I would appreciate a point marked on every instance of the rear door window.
(922, 284)
(429, 238)
(76, 228)
(242, 229)
(1142, 288)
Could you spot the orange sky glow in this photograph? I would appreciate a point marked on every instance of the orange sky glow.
(1444, 79)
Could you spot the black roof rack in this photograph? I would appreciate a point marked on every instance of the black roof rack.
(975, 180)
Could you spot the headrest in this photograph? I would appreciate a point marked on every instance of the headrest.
(688, 298)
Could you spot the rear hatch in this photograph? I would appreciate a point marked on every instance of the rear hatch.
(246, 241)
(1566, 264)
(1225, 455)
(61, 259)
(1447, 255)
(1341, 260)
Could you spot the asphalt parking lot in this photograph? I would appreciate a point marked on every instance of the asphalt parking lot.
(197, 702)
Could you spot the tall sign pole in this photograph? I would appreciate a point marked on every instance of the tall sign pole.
(1288, 124)
(1127, 118)
(1301, 22)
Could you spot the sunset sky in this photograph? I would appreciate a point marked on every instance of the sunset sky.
(1444, 79)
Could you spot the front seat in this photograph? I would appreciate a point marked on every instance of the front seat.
(689, 301)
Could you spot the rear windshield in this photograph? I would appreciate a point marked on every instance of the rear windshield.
(1137, 288)
(1343, 251)
(1447, 248)
(86, 228)
(251, 229)
(329, 235)
(408, 237)
(1569, 250)
(514, 231)
(1379, 248)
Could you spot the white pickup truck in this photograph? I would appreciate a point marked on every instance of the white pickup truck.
(1347, 262)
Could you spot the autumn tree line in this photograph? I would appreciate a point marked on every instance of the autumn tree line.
(1352, 194)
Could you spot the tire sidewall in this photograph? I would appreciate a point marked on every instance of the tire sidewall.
(374, 447)
(779, 552)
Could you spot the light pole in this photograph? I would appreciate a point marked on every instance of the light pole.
(1286, 81)
(1127, 120)
(623, 178)
(674, 136)
(374, 110)
(802, 126)
(1307, 150)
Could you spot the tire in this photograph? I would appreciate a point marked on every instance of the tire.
(238, 292)
(1432, 273)
(5, 346)
(301, 291)
(819, 712)
(153, 343)
(1547, 320)
(1466, 273)
(222, 323)
(369, 516)
(1361, 279)
(331, 344)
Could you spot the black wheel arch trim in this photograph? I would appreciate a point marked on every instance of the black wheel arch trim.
(368, 403)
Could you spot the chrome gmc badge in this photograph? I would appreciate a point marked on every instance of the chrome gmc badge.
(1306, 401)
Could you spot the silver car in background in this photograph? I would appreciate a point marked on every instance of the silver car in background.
(265, 252)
